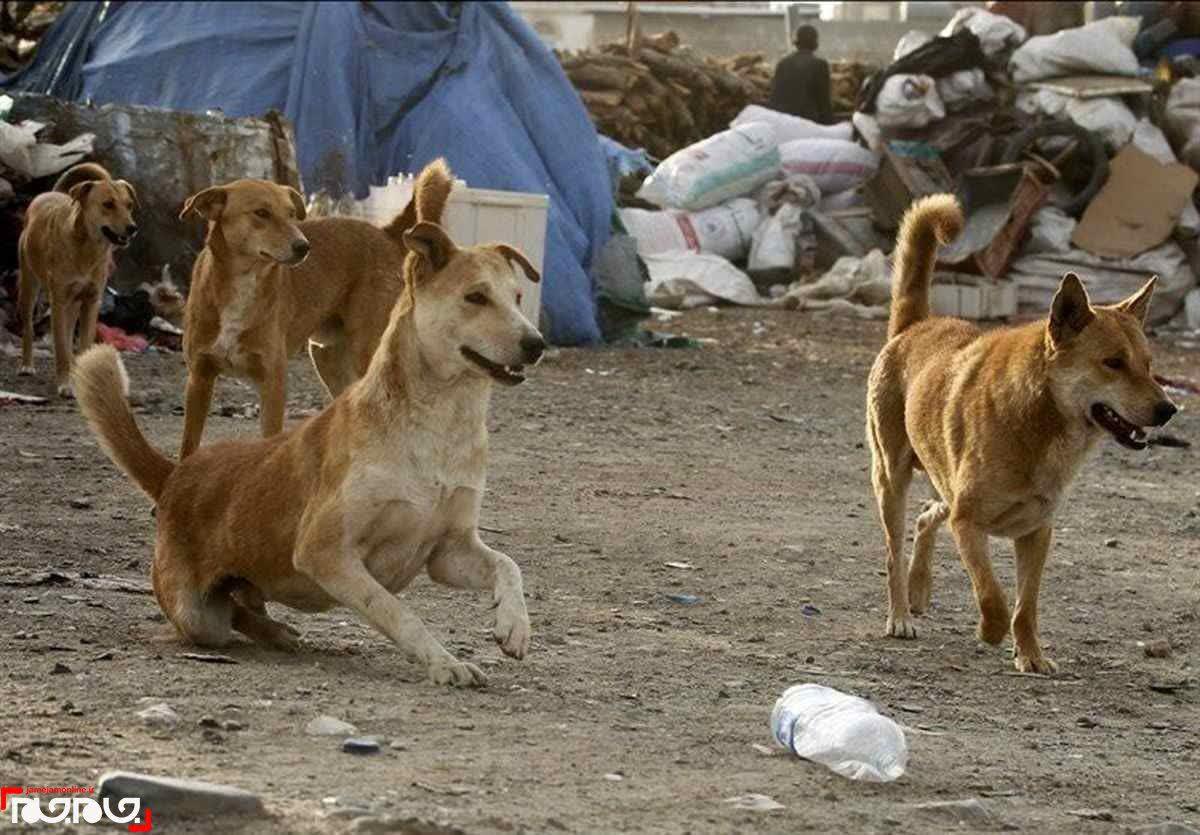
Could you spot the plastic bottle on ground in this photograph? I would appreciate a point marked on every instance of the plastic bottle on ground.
(840, 731)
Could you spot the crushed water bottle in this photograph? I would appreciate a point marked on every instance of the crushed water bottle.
(840, 731)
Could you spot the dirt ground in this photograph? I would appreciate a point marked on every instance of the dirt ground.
(633, 713)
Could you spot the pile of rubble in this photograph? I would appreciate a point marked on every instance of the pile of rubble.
(1063, 148)
(662, 96)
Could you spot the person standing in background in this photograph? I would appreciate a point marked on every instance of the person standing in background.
(801, 83)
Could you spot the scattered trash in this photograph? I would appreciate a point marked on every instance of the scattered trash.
(1160, 648)
(14, 398)
(361, 746)
(684, 599)
(809, 610)
(160, 715)
(970, 812)
(208, 659)
(845, 733)
(329, 726)
(1092, 814)
(755, 803)
(683, 566)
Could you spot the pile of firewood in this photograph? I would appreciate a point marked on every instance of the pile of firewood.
(22, 25)
(662, 96)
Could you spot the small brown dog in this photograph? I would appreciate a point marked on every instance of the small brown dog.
(253, 304)
(1000, 422)
(349, 506)
(67, 244)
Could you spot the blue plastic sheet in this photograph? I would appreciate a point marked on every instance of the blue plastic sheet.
(373, 89)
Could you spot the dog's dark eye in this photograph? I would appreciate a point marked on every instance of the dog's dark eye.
(263, 213)
(1115, 363)
(109, 204)
(476, 298)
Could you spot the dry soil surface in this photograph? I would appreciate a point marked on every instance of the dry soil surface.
(633, 713)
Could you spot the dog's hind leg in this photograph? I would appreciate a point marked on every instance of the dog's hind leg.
(467, 563)
(1031, 558)
(251, 619)
(920, 578)
(27, 291)
(891, 473)
(204, 618)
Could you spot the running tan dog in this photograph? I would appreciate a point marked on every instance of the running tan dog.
(67, 244)
(1000, 421)
(349, 506)
(251, 307)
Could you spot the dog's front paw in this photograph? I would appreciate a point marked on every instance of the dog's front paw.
(25, 371)
(512, 630)
(65, 391)
(1036, 663)
(456, 674)
(900, 627)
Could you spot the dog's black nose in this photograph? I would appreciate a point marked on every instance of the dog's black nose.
(1163, 412)
(533, 347)
(300, 248)
(131, 230)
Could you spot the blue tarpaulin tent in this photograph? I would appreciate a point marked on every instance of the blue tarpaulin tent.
(373, 89)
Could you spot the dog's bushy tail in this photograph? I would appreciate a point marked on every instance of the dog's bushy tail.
(81, 173)
(102, 389)
(930, 222)
(430, 193)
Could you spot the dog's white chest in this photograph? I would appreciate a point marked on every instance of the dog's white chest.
(234, 318)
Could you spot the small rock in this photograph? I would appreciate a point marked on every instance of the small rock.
(159, 715)
(60, 669)
(207, 658)
(81, 504)
(397, 745)
(465, 726)
(104, 656)
(169, 796)
(31, 600)
(1092, 814)
(809, 610)
(614, 777)
(1160, 648)
(684, 599)
(1111, 543)
(232, 725)
(1087, 722)
(361, 745)
(969, 811)
(328, 726)
(755, 802)
(208, 722)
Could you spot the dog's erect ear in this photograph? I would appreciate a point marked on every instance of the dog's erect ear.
(1138, 305)
(79, 191)
(208, 203)
(127, 187)
(431, 243)
(1070, 311)
(515, 256)
(297, 203)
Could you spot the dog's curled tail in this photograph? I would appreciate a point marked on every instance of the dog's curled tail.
(102, 388)
(430, 193)
(81, 173)
(930, 222)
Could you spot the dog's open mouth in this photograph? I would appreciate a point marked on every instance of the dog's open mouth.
(510, 375)
(114, 238)
(1126, 433)
(287, 261)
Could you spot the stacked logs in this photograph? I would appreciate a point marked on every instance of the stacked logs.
(662, 96)
(22, 25)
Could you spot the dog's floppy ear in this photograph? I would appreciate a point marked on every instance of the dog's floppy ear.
(79, 191)
(431, 243)
(127, 187)
(1070, 311)
(1138, 305)
(515, 256)
(208, 203)
(297, 203)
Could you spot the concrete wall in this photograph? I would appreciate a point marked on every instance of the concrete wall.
(719, 32)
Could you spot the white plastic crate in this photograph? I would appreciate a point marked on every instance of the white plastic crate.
(972, 297)
(478, 216)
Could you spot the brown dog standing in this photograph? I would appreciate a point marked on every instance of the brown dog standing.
(348, 507)
(1000, 421)
(253, 304)
(67, 244)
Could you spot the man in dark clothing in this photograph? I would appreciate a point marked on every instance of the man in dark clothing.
(801, 83)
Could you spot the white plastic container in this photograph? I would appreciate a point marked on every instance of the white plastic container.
(478, 216)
